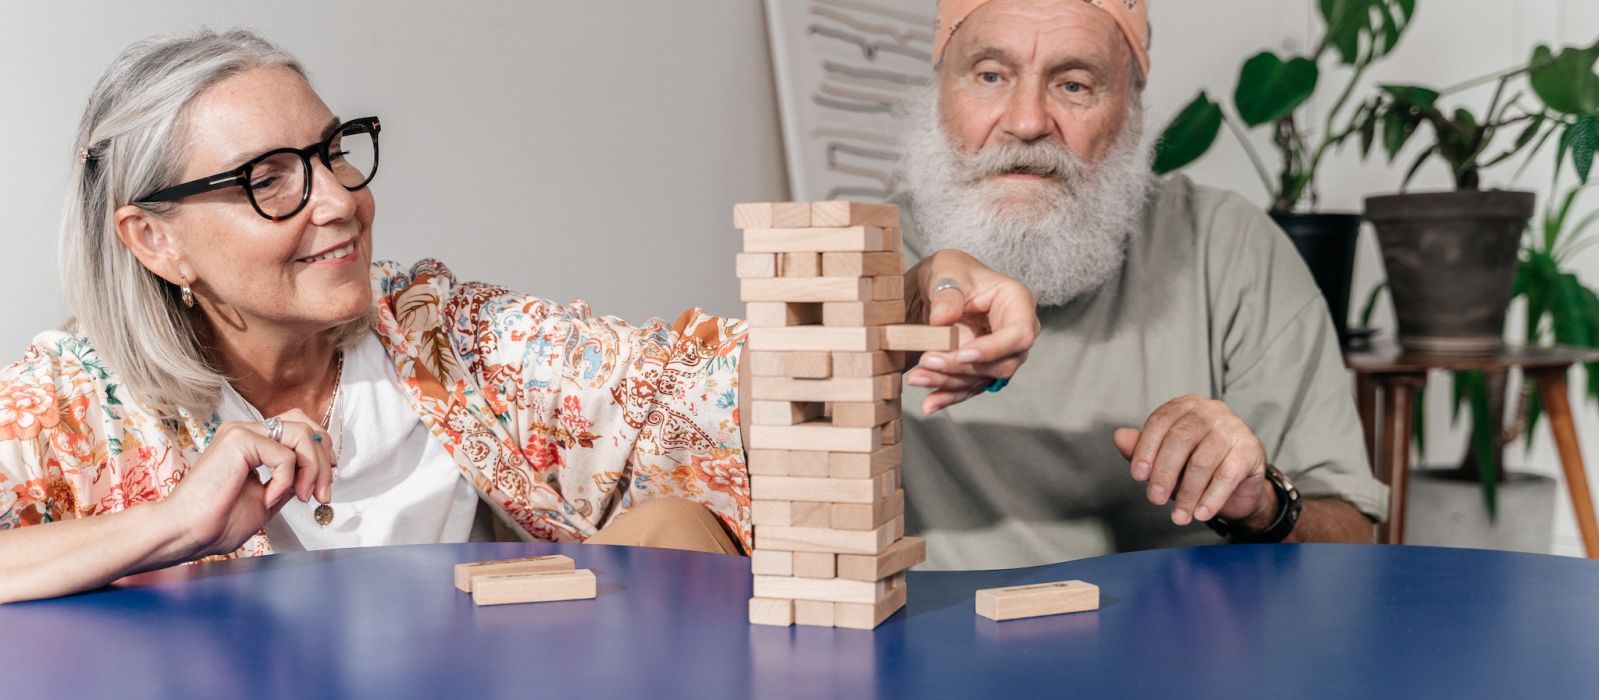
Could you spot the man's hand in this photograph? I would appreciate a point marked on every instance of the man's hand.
(1197, 452)
(996, 315)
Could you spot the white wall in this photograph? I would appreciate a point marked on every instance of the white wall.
(1202, 44)
(570, 149)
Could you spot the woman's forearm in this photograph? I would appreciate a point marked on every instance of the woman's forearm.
(54, 559)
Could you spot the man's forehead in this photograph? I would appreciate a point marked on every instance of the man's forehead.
(1051, 33)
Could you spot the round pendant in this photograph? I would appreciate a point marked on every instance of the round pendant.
(323, 514)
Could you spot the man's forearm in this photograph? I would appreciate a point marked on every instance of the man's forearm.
(1331, 520)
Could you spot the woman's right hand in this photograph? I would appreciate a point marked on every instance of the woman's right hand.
(220, 503)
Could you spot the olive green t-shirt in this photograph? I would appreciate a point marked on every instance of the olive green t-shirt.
(1212, 300)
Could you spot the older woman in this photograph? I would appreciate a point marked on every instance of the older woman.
(216, 248)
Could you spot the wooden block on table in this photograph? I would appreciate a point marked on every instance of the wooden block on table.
(867, 516)
(854, 239)
(767, 563)
(534, 587)
(892, 239)
(813, 564)
(864, 466)
(806, 338)
(1038, 599)
(920, 338)
(808, 365)
(520, 565)
(766, 364)
(789, 513)
(868, 313)
(867, 364)
(805, 289)
(821, 490)
(783, 412)
(891, 288)
(837, 590)
(816, 539)
(755, 265)
(858, 414)
(818, 436)
(778, 613)
(843, 213)
(866, 616)
(902, 555)
(891, 432)
(788, 462)
(867, 389)
(885, 263)
(752, 215)
(791, 215)
(814, 613)
(772, 314)
(799, 264)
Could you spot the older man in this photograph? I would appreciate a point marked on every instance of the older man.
(1187, 370)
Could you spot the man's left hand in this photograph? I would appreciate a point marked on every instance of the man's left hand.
(1201, 455)
(996, 317)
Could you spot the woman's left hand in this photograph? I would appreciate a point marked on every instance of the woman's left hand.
(996, 317)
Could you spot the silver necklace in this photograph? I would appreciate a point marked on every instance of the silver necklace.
(324, 512)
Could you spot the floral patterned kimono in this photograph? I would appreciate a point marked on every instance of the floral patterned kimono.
(562, 420)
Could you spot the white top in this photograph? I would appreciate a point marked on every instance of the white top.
(394, 483)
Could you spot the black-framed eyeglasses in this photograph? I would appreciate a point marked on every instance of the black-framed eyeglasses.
(278, 182)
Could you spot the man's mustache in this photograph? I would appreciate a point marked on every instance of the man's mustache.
(1040, 158)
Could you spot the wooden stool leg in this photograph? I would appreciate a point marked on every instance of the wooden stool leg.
(1367, 406)
(1398, 394)
(1553, 392)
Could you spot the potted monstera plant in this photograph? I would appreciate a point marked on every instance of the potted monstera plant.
(1270, 93)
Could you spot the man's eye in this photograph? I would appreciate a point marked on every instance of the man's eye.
(1074, 87)
(989, 77)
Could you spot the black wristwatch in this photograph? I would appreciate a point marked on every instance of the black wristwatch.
(1288, 514)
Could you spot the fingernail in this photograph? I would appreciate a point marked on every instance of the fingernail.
(1141, 470)
(918, 380)
(968, 356)
(1202, 513)
(1180, 516)
(936, 364)
(1158, 494)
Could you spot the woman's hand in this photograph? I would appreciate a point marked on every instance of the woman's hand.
(221, 502)
(996, 315)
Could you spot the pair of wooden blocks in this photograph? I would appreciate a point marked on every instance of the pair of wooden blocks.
(524, 580)
(825, 288)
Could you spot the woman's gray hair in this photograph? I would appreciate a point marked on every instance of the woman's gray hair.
(131, 143)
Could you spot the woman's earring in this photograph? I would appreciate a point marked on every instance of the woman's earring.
(188, 294)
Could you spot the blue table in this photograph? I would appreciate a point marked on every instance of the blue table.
(1224, 622)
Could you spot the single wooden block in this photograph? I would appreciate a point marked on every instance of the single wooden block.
(755, 265)
(783, 412)
(808, 365)
(864, 616)
(921, 338)
(864, 466)
(870, 313)
(771, 512)
(534, 587)
(900, 556)
(867, 364)
(879, 388)
(805, 289)
(752, 215)
(892, 432)
(788, 463)
(831, 589)
(800, 264)
(891, 288)
(867, 516)
(854, 239)
(805, 338)
(813, 564)
(886, 263)
(821, 490)
(766, 364)
(842, 213)
(768, 563)
(1038, 599)
(817, 539)
(892, 239)
(778, 613)
(791, 215)
(520, 565)
(772, 314)
(856, 414)
(818, 436)
(813, 613)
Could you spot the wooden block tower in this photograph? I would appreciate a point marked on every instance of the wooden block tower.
(825, 291)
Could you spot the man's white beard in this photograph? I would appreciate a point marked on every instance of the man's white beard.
(1062, 236)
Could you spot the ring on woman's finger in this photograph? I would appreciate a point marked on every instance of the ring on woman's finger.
(274, 428)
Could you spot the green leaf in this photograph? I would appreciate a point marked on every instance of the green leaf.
(1270, 88)
(1580, 138)
(1345, 19)
(1371, 304)
(1369, 128)
(1189, 136)
(1485, 430)
(1412, 95)
(1566, 82)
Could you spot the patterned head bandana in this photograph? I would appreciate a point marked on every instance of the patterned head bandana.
(1128, 14)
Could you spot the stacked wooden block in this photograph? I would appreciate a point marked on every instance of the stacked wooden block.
(825, 294)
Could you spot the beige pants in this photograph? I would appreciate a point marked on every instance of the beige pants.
(669, 523)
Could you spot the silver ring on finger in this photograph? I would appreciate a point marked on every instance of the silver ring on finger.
(943, 284)
(274, 428)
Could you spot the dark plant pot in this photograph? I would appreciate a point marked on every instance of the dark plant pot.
(1327, 242)
(1451, 258)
